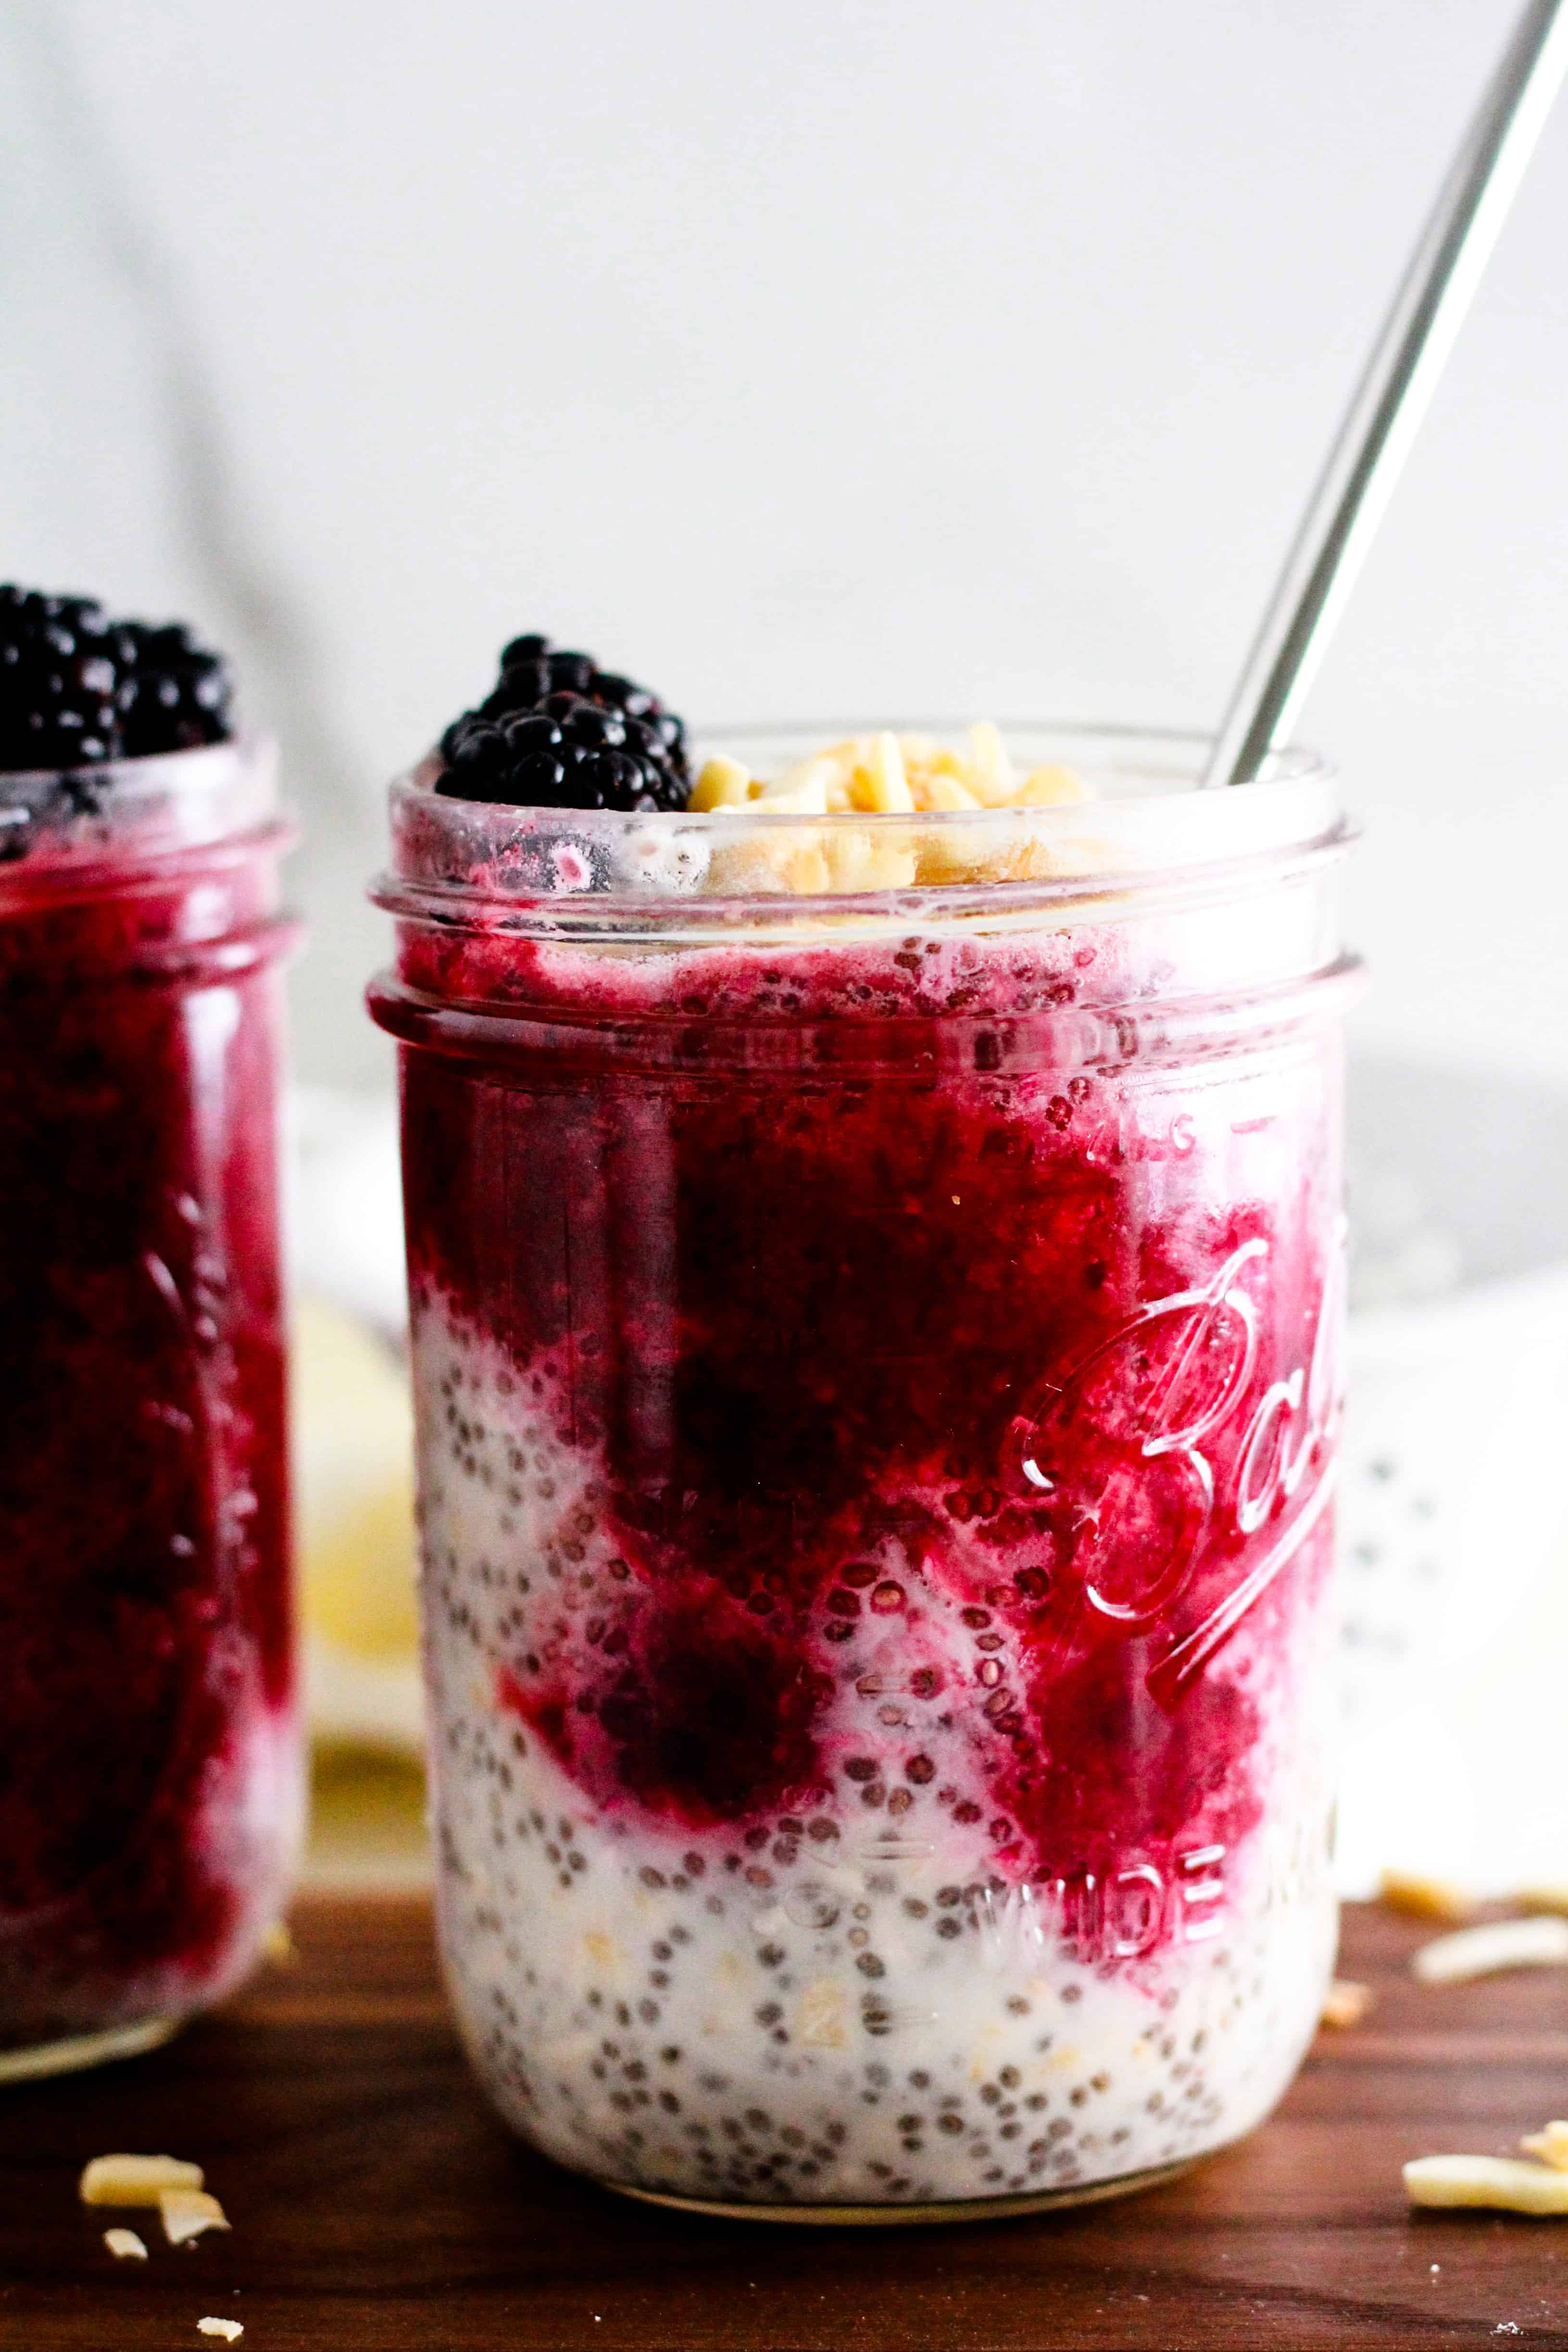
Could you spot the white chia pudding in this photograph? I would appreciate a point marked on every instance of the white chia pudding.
(845, 2004)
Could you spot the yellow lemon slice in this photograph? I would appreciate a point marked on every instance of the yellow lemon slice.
(353, 1463)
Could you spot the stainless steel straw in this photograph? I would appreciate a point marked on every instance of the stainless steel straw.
(1391, 399)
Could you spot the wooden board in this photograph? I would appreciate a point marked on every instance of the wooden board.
(376, 2204)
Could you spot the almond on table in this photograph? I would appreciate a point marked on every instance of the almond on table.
(1550, 2144)
(1540, 1943)
(188, 2212)
(1502, 2181)
(1346, 2003)
(136, 2179)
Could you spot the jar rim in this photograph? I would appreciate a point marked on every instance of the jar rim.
(1149, 835)
(60, 824)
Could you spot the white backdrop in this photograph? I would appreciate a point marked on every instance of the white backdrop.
(864, 353)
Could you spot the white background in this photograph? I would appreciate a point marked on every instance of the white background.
(861, 353)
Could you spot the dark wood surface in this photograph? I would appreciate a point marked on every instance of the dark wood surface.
(376, 2204)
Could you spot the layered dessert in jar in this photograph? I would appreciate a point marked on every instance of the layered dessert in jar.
(150, 1785)
(875, 1259)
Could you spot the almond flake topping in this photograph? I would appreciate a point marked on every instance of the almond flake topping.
(125, 2245)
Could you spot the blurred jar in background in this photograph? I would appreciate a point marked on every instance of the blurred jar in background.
(150, 1775)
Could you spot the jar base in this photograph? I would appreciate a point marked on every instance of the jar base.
(74, 2051)
(872, 2217)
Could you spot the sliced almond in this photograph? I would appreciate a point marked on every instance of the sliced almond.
(1425, 1898)
(135, 2179)
(989, 774)
(1550, 2145)
(1346, 2003)
(1050, 788)
(941, 760)
(231, 2330)
(722, 783)
(1540, 1943)
(831, 768)
(936, 790)
(1497, 2180)
(788, 861)
(859, 859)
(1544, 1898)
(885, 773)
(125, 2245)
(951, 853)
(188, 2212)
(879, 783)
(807, 798)
(1027, 858)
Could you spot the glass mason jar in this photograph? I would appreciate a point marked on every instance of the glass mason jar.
(878, 1287)
(150, 1771)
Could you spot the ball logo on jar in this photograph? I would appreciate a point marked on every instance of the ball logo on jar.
(1124, 1450)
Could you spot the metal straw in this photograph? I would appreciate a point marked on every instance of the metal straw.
(1385, 413)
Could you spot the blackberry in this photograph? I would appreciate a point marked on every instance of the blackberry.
(175, 693)
(556, 731)
(78, 689)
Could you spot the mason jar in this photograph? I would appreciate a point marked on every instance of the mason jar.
(150, 1774)
(878, 1287)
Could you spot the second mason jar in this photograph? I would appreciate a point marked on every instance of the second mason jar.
(150, 1781)
(876, 1293)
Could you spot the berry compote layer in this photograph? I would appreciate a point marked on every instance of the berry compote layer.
(149, 1777)
(877, 1395)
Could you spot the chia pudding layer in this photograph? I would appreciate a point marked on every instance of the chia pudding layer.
(852, 1992)
(877, 1389)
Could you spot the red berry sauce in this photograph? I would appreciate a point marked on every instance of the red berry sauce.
(148, 1787)
(956, 1365)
